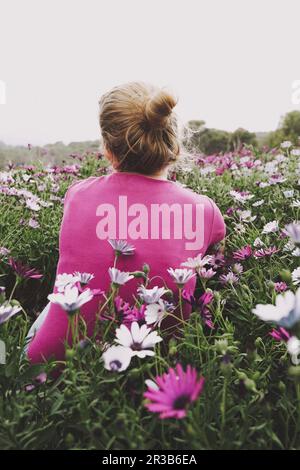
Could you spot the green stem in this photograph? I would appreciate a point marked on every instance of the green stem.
(223, 407)
(180, 303)
(13, 289)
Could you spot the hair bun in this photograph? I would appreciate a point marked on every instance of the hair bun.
(158, 108)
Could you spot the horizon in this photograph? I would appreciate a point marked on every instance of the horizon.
(230, 64)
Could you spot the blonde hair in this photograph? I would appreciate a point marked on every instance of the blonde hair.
(139, 127)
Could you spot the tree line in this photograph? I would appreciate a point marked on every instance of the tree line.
(196, 138)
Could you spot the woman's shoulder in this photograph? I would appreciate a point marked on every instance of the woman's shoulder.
(188, 193)
(79, 186)
(84, 183)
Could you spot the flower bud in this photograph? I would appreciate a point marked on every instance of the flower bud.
(250, 385)
(69, 439)
(221, 346)
(226, 366)
(294, 371)
(285, 275)
(282, 386)
(139, 274)
(146, 268)
(70, 353)
(173, 351)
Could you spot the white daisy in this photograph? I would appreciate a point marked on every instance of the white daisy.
(155, 313)
(7, 311)
(198, 262)
(293, 231)
(71, 299)
(83, 278)
(151, 296)
(119, 278)
(32, 205)
(181, 276)
(238, 197)
(117, 358)
(296, 276)
(140, 340)
(288, 193)
(151, 384)
(289, 246)
(258, 203)
(258, 243)
(246, 216)
(64, 280)
(285, 312)
(293, 347)
(122, 247)
(271, 227)
(286, 144)
(239, 228)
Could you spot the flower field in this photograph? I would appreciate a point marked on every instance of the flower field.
(229, 378)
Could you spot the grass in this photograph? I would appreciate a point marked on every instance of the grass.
(251, 398)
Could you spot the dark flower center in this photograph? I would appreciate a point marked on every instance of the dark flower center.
(136, 346)
(181, 402)
(115, 365)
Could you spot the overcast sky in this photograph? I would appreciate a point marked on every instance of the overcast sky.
(232, 63)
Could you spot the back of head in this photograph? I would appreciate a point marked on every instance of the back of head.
(139, 127)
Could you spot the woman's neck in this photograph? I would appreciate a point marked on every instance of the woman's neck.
(162, 175)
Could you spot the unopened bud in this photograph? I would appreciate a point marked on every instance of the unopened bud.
(285, 275)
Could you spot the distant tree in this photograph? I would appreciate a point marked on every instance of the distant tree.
(290, 126)
(275, 138)
(242, 136)
(198, 138)
(288, 129)
(214, 141)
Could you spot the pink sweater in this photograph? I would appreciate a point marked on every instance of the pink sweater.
(164, 221)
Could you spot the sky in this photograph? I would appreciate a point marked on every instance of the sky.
(232, 63)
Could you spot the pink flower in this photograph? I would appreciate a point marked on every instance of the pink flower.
(265, 252)
(200, 304)
(173, 392)
(129, 314)
(217, 260)
(229, 278)
(206, 273)
(4, 251)
(33, 223)
(280, 335)
(134, 314)
(24, 271)
(120, 304)
(280, 286)
(243, 253)
(38, 380)
(230, 211)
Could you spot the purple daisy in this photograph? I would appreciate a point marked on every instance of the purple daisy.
(243, 253)
(24, 271)
(200, 303)
(280, 334)
(280, 286)
(172, 392)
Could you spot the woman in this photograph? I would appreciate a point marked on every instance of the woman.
(165, 222)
